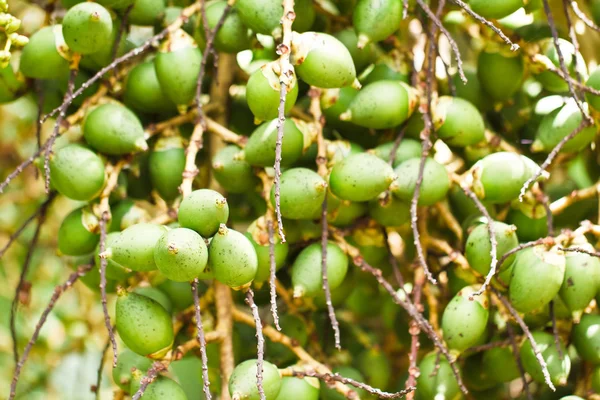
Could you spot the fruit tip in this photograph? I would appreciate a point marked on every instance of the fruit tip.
(356, 84)
(537, 146)
(121, 291)
(363, 40)
(298, 292)
(346, 116)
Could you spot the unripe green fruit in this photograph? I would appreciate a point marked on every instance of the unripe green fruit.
(11, 86)
(593, 82)
(127, 361)
(433, 385)
(530, 221)
(260, 149)
(435, 183)
(264, 16)
(582, 274)
(233, 36)
(361, 57)
(233, 173)
(345, 213)
(262, 92)
(500, 74)
(595, 379)
(177, 68)
(293, 327)
(375, 366)
(116, 4)
(393, 212)
(232, 258)
(475, 377)
(181, 254)
(104, 55)
(536, 278)
(553, 82)
(79, 233)
(465, 321)
(302, 193)
(161, 389)
(203, 210)
(125, 214)
(147, 12)
(334, 102)
(495, 9)
(478, 248)
(558, 368)
(381, 105)
(143, 91)
(309, 49)
(77, 172)
(87, 28)
(328, 393)
(156, 295)
(375, 20)
(299, 388)
(458, 122)
(178, 293)
(307, 278)
(586, 338)
(559, 124)
(499, 363)
(143, 324)
(259, 238)
(360, 177)
(408, 148)
(134, 247)
(114, 270)
(40, 59)
(115, 130)
(472, 90)
(166, 165)
(242, 384)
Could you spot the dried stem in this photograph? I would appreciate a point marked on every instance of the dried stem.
(201, 340)
(573, 37)
(580, 250)
(397, 142)
(96, 387)
(117, 42)
(150, 377)
(583, 17)
(103, 261)
(523, 246)
(224, 304)
(260, 347)
(413, 368)
(558, 206)
(272, 273)
(517, 356)
(393, 262)
(555, 331)
(330, 310)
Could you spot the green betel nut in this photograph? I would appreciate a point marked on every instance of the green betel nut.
(181, 254)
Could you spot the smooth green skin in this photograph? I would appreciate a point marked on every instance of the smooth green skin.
(243, 381)
(559, 124)
(116, 4)
(302, 194)
(586, 338)
(234, 175)
(464, 321)
(10, 85)
(375, 366)
(178, 293)
(125, 214)
(293, 327)
(306, 273)
(595, 379)
(528, 228)
(177, 73)
(385, 72)
(375, 20)
(260, 148)
(40, 59)
(458, 122)
(233, 36)
(104, 55)
(264, 258)
(264, 16)
(478, 247)
(442, 385)
(408, 148)
(297, 388)
(360, 177)
(181, 254)
(500, 177)
(381, 105)
(559, 370)
(87, 28)
(435, 183)
(549, 80)
(263, 99)
(472, 90)
(161, 389)
(143, 324)
(328, 63)
(147, 12)
(156, 295)
(361, 57)
(77, 172)
(499, 363)
(74, 238)
(203, 210)
(495, 9)
(134, 247)
(395, 212)
(346, 213)
(232, 258)
(347, 372)
(582, 274)
(535, 281)
(593, 82)
(114, 270)
(336, 101)
(126, 361)
(166, 165)
(475, 377)
(143, 91)
(499, 75)
(114, 129)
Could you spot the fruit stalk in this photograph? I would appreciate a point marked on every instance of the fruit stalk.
(272, 270)
(148, 378)
(583, 17)
(515, 350)
(201, 340)
(225, 308)
(260, 345)
(413, 369)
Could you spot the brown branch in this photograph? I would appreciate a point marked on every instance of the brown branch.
(201, 340)
(413, 368)
(150, 377)
(580, 250)
(260, 346)
(272, 273)
(517, 356)
(558, 206)
(224, 304)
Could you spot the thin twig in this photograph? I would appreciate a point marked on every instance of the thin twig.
(580, 250)
(393, 261)
(201, 340)
(397, 142)
(413, 368)
(555, 331)
(260, 346)
(325, 284)
(573, 37)
(103, 261)
(583, 17)
(517, 356)
(117, 42)
(96, 388)
(150, 377)
(272, 273)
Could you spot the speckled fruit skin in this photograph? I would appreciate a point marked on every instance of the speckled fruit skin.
(232, 258)
(143, 324)
(305, 388)
(264, 16)
(243, 381)
(495, 9)
(408, 148)
(233, 173)
(77, 172)
(306, 273)
(156, 295)
(134, 247)
(394, 212)
(464, 321)
(116, 4)
(127, 360)
(161, 389)
(586, 338)
(262, 93)
(114, 129)
(558, 369)
(435, 183)
(500, 75)
(442, 384)
(260, 148)
(79, 233)
(233, 36)
(40, 59)
(147, 12)
(537, 276)
(166, 165)
(582, 275)
(87, 28)
(375, 20)
(478, 247)
(500, 364)
(458, 122)
(203, 210)
(114, 270)
(181, 254)
(302, 193)
(360, 177)
(143, 91)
